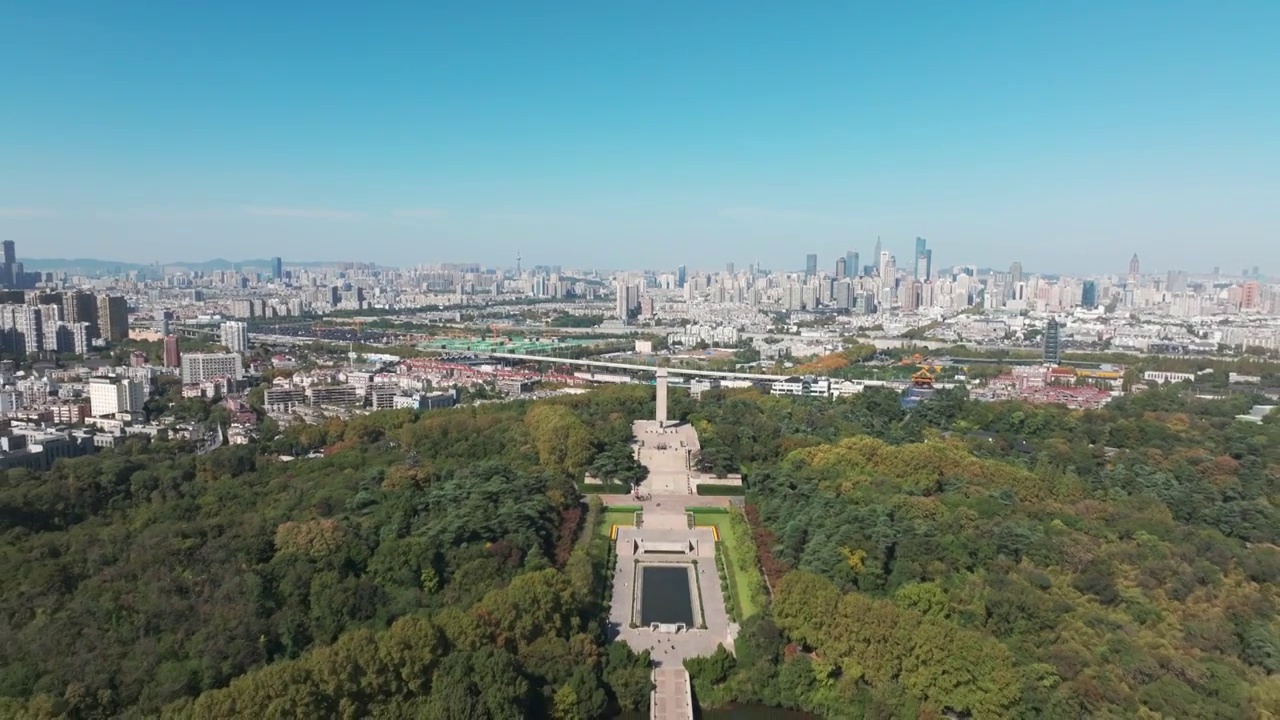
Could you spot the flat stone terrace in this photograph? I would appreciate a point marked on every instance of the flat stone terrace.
(672, 696)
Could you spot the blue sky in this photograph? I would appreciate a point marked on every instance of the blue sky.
(1064, 135)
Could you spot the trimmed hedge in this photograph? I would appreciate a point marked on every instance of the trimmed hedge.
(726, 587)
(719, 490)
(707, 510)
(604, 489)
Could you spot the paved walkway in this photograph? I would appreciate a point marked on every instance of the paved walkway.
(665, 520)
(665, 451)
(672, 696)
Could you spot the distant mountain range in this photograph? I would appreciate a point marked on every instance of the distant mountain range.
(91, 266)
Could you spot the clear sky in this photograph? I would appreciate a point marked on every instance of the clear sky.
(1067, 135)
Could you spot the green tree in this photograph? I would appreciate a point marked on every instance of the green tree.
(618, 464)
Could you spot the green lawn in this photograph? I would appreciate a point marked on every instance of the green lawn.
(745, 601)
(616, 517)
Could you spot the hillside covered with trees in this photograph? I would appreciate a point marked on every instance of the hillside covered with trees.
(1011, 561)
(425, 562)
(994, 560)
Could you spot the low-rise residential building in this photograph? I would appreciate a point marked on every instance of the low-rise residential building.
(424, 401)
(198, 367)
(112, 396)
(700, 385)
(807, 386)
(382, 397)
(1160, 376)
(341, 395)
(284, 398)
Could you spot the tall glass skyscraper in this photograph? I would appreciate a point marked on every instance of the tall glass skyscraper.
(810, 265)
(851, 267)
(1089, 295)
(923, 269)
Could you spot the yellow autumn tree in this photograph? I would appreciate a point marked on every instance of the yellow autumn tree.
(562, 440)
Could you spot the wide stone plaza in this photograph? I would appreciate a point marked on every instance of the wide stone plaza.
(710, 627)
(668, 451)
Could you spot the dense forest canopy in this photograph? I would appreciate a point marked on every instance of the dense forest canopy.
(145, 576)
(996, 560)
(1011, 561)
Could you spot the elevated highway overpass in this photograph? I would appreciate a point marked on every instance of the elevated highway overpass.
(639, 368)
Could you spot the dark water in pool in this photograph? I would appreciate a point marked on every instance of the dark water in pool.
(665, 596)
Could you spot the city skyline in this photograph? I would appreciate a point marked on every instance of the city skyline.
(618, 137)
(848, 260)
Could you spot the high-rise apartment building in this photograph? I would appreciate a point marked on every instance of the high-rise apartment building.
(244, 308)
(198, 367)
(1249, 296)
(71, 338)
(50, 319)
(78, 306)
(842, 268)
(172, 355)
(793, 298)
(113, 317)
(842, 294)
(909, 295)
(21, 330)
(810, 265)
(235, 336)
(1015, 273)
(628, 300)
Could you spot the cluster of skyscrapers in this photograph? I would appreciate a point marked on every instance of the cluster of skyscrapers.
(885, 265)
(32, 321)
(35, 322)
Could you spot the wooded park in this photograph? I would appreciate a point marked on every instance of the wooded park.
(996, 560)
